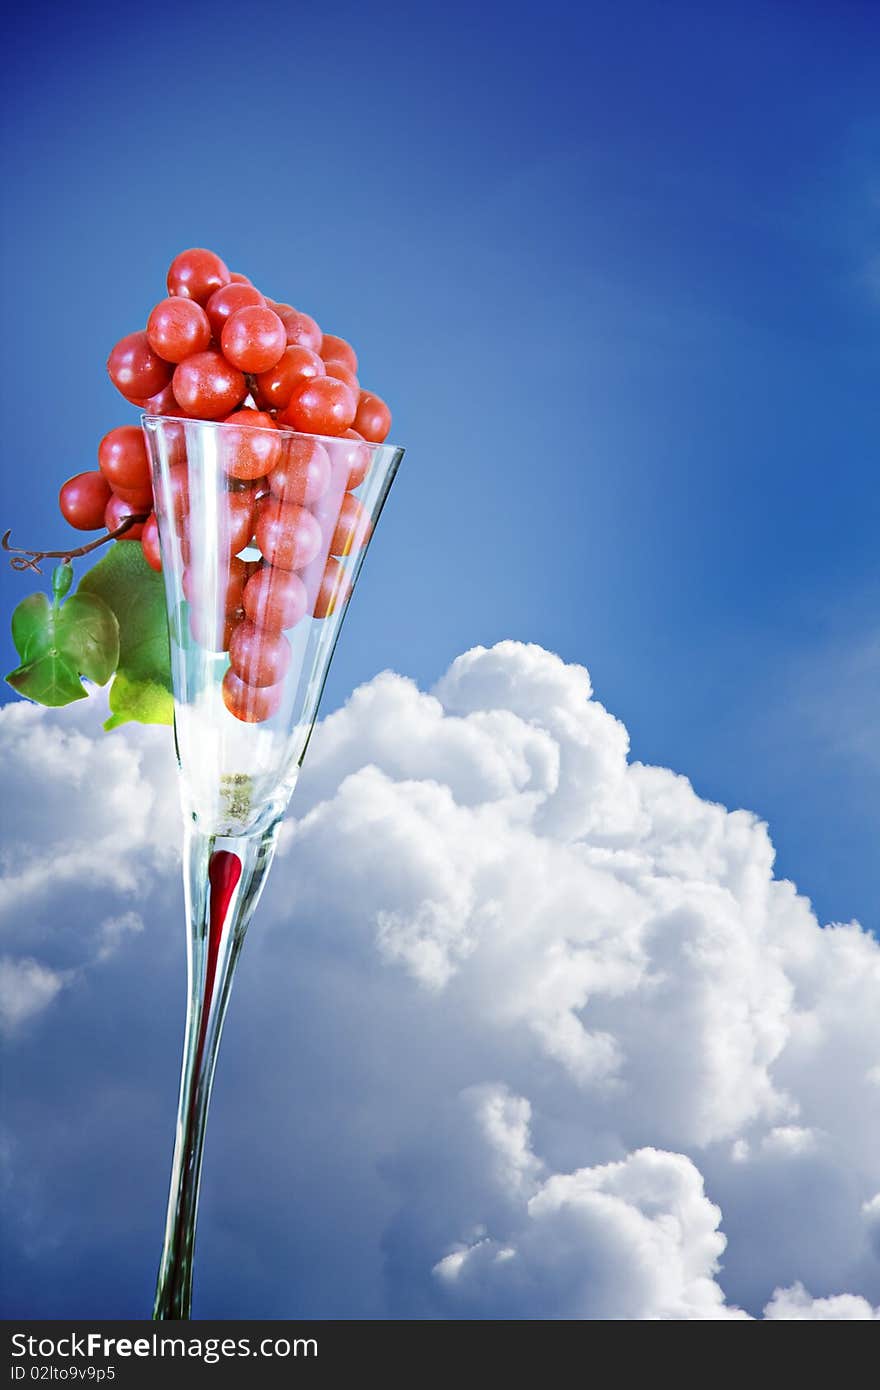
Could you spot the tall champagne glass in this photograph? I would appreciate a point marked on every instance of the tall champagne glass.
(263, 533)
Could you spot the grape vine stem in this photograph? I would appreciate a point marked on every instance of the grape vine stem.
(23, 559)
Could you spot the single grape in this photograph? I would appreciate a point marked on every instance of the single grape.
(174, 438)
(226, 302)
(373, 418)
(178, 490)
(237, 278)
(177, 328)
(163, 403)
(122, 458)
(288, 535)
(342, 372)
(321, 405)
(253, 339)
(237, 521)
(274, 598)
(338, 350)
(116, 512)
(250, 703)
(135, 369)
(83, 500)
(207, 386)
(353, 527)
(249, 451)
(350, 452)
(335, 588)
(296, 364)
(140, 499)
(150, 543)
(302, 473)
(230, 581)
(257, 656)
(196, 274)
(301, 329)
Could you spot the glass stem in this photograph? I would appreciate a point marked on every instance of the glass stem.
(223, 879)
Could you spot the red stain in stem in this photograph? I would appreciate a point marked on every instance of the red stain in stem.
(224, 872)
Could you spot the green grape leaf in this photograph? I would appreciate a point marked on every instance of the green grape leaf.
(48, 679)
(144, 702)
(32, 627)
(141, 690)
(87, 632)
(58, 644)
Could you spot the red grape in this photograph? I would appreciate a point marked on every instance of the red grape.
(116, 511)
(163, 403)
(274, 598)
(207, 386)
(301, 329)
(342, 372)
(178, 490)
(335, 588)
(250, 452)
(288, 536)
(234, 579)
(224, 303)
(122, 457)
(249, 703)
(321, 405)
(150, 543)
(237, 278)
(174, 438)
(135, 369)
(373, 418)
(177, 328)
(356, 457)
(253, 339)
(238, 521)
(139, 498)
(83, 500)
(303, 473)
(353, 527)
(335, 349)
(196, 274)
(258, 656)
(296, 364)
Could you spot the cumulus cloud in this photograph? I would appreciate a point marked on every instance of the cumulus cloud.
(796, 1305)
(554, 1040)
(636, 1239)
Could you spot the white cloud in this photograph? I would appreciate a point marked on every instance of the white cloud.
(114, 931)
(26, 988)
(89, 802)
(796, 1305)
(566, 1034)
(636, 1239)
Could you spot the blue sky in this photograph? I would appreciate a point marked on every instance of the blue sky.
(616, 268)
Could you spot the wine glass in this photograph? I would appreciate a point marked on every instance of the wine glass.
(263, 533)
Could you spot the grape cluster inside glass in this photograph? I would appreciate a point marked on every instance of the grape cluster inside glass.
(237, 773)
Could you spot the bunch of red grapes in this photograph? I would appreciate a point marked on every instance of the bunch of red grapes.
(217, 349)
